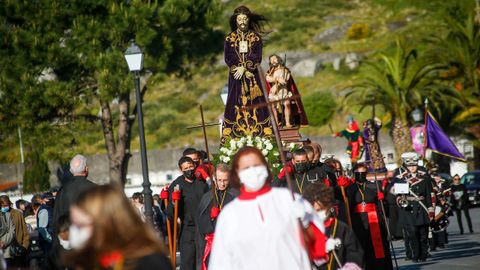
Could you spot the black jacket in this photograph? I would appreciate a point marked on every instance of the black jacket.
(205, 224)
(191, 194)
(421, 185)
(68, 194)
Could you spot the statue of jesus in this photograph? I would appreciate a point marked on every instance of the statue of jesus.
(243, 55)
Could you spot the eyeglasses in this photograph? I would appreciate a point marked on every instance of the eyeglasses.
(223, 180)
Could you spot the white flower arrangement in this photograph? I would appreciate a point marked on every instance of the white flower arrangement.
(265, 145)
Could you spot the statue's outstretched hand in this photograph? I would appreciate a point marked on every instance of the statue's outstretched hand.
(238, 72)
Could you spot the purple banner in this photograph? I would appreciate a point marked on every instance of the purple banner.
(438, 141)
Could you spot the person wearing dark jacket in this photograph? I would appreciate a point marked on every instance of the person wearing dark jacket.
(73, 188)
(208, 210)
(191, 192)
(61, 245)
(459, 201)
(349, 251)
(368, 222)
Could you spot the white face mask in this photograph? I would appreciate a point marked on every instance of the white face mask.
(65, 243)
(322, 214)
(78, 237)
(254, 178)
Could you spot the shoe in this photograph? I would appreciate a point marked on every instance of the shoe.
(434, 249)
(441, 246)
(471, 231)
(422, 260)
(415, 260)
(461, 232)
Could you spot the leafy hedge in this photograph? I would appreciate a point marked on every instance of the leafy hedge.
(320, 107)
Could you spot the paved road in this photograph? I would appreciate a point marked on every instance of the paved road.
(462, 251)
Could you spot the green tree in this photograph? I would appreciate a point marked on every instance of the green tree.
(399, 82)
(82, 42)
(36, 175)
(320, 107)
(459, 51)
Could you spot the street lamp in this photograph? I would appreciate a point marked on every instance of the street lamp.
(134, 58)
(417, 115)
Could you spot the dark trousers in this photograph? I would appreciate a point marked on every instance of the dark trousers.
(395, 228)
(458, 213)
(439, 239)
(187, 249)
(406, 242)
(417, 241)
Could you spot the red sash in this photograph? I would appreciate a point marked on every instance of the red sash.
(371, 210)
(207, 250)
(355, 149)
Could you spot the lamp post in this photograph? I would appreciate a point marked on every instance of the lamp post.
(134, 58)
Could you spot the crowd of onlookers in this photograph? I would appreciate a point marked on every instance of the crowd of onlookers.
(22, 226)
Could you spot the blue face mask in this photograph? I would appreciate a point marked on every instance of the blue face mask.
(5, 209)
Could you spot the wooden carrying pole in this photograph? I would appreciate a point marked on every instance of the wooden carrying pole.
(275, 130)
(205, 134)
(169, 231)
(175, 231)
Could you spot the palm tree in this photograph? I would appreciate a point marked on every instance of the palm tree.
(398, 82)
(459, 51)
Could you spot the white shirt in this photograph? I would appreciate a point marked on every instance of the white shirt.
(261, 233)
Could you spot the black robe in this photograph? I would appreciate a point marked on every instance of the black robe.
(350, 250)
(191, 194)
(362, 228)
(206, 225)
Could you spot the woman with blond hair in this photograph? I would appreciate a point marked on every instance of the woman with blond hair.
(107, 233)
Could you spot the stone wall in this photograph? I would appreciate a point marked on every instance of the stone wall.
(162, 164)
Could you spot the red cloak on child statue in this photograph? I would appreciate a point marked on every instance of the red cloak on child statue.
(283, 88)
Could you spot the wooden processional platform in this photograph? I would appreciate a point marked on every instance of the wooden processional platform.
(290, 135)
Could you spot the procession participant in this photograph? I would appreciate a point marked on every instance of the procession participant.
(310, 153)
(202, 172)
(260, 228)
(317, 153)
(367, 220)
(396, 230)
(191, 191)
(304, 174)
(416, 209)
(243, 55)
(281, 86)
(341, 206)
(209, 208)
(439, 224)
(349, 251)
(355, 140)
(459, 199)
